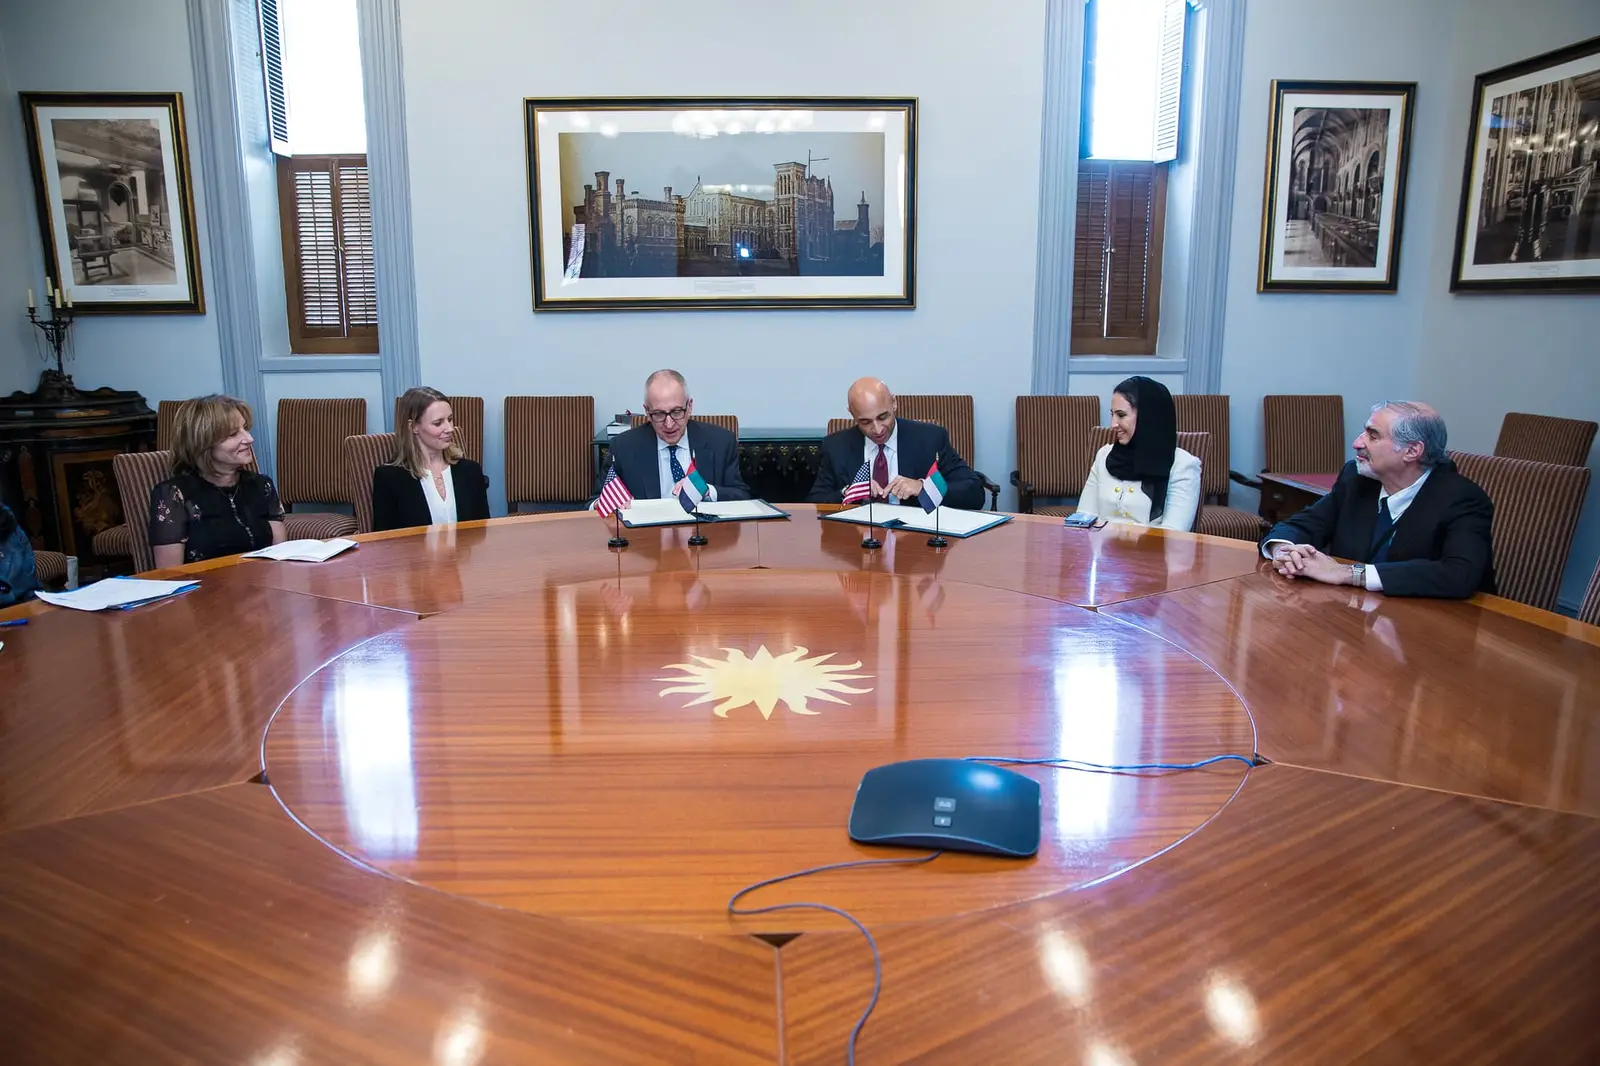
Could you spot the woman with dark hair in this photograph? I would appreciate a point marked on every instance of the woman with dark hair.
(1143, 477)
(213, 504)
(428, 482)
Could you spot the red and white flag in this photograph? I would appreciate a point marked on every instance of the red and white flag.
(614, 495)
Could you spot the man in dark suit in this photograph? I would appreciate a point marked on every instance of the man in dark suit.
(1412, 523)
(653, 459)
(897, 452)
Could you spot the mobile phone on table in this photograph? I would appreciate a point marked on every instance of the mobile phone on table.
(1081, 520)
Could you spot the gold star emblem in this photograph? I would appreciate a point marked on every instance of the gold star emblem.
(765, 680)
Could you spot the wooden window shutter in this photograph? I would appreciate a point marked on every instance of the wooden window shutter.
(272, 68)
(1116, 277)
(325, 207)
(1169, 80)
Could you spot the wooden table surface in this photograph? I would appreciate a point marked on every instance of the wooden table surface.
(481, 796)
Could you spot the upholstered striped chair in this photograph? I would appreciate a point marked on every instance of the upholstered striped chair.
(1304, 434)
(311, 469)
(51, 568)
(954, 413)
(548, 460)
(837, 424)
(363, 454)
(1053, 449)
(727, 422)
(1202, 413)
(1196, 444)
(1545, 439)
(1589, 610)
(1536, 509)
(137, 474)
(468, 413)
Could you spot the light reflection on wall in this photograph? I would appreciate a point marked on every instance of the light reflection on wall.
(1088, 721)
(370, 706)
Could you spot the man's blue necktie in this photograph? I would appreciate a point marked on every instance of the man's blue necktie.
(1383, 534)
(677, 467)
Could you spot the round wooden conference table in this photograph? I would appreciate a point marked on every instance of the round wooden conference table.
(481, 794)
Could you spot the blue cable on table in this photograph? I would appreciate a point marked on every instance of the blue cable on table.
(877, 960)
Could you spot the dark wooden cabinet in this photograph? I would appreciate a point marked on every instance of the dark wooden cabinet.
(56, 447)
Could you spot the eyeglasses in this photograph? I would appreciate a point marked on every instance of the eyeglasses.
(677, 414)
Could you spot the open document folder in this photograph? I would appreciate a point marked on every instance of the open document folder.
(303, 551)
(670, 512)
(117, 593)
(951, 522)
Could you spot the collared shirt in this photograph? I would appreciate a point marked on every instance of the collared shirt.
(1398, 503)
(891, 455)
(664, 463)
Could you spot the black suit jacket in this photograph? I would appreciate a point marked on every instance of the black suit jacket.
(917, 444)
(398, 502)
(1441, 545)
(714, 450)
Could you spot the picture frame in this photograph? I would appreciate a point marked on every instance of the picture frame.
(1533, 138)
(115, 199)
(1334, 204)
(753, 203)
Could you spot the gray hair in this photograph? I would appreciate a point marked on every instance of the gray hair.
(1416, 423)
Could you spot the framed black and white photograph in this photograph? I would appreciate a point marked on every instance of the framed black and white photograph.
(722, 203)
(116, 207)
(1530, 194)
(1336, 186)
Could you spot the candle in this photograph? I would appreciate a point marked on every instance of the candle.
(30, 299)
(57, 297)
(68, 295)
(48, 290)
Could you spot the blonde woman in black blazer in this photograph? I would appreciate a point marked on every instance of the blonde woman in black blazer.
(428, 482)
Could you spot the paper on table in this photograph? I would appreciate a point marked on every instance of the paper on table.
(116, 592)
(737, 508)
(303, 551)
(950, 520)
(655, 512)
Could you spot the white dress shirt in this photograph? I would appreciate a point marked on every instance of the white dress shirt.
(1398, 503)
(664, 462)
(441, 509)
(1116, 500)
(891, 456)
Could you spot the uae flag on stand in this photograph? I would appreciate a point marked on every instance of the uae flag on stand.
(694, 488)
(932, 487)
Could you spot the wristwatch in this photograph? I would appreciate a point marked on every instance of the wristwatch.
(1358, 575)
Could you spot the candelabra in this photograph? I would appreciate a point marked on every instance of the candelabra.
(55, 380)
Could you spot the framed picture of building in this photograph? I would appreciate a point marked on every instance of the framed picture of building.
(693, 202)
(1335, 195)
(116, 208)
(1530, 192)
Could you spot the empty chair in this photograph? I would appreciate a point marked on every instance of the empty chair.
(1589, 610)
(1054, 449)
(1536, 509)
(1200, 413)
(137, 474)
(1545, 439)
(1304, 434)
(363, 454)
(468, 414)
(548, 463)
(311, 469)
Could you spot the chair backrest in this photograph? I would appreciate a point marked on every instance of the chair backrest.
(1536, 509)
(1208, 413)
(727, 422)
(953, 412)
(1053, 442)
(548, 440)
(1545, 439)
(310, 436)
(1196, 444)
(1304, 434)
(468, 413)
(362, 454)
(137, 474)
(1589, 610)
(836, 424)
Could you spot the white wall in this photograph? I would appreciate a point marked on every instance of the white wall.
(979, 77)
(90, 45)
(1474, 357)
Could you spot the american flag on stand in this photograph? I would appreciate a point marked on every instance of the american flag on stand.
(860, 488)
(614, 495)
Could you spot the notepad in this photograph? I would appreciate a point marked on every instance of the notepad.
(303, 551)
(117, 593)
(655, 513)
(950, 521)
(733, 510)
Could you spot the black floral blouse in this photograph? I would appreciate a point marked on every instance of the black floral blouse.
(211, 521)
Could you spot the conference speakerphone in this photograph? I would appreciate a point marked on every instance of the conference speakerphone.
(951, 804)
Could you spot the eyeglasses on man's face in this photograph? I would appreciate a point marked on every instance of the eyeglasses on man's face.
(677, 414)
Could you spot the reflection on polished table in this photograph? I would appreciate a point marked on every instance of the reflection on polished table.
(480, 794)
